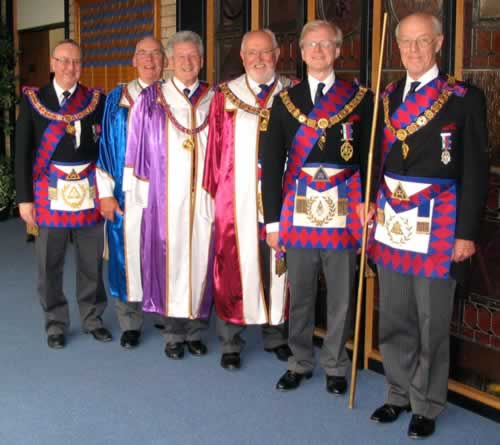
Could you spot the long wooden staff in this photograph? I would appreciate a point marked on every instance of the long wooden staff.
(362, 261)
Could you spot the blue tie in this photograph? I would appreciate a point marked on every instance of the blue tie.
(413, 88)
(319, 93)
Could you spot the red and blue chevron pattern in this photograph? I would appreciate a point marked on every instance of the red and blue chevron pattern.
(55, 130)
(325, 238)
(200, 92)
(306, 137)
(45, 217)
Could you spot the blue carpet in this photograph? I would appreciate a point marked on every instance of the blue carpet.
(92, 393)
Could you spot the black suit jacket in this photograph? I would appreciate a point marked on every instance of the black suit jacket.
(276, 141)
(465, 118)
(30, 127)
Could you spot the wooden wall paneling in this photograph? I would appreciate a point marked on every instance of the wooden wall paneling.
(210, 44)
(459, 41)
(311, 10)
(256, 20)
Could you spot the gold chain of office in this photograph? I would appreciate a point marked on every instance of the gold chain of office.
(263, 113)
(67, 118)
(322, 123)
(421, 121)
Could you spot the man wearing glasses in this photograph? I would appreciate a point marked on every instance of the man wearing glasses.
(318, 136)
(57, 144)
(164, 166)
(122, 215)
(429, 203)
(247, 287)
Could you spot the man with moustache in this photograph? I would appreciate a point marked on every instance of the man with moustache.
(122, 215)
(165, 156)
(431, 196)
(318, 136)
(247, 287)
(57, 144)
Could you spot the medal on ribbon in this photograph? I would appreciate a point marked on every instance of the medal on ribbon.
(445, 148)
(346, 150)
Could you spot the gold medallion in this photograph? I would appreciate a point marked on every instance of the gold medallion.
(70, 129)
(421, 121)
(346, 151)
(302, 118)
(323, 123)
(188, 144)
(401, 134)
(322, 141)
(263, 124)
(400, 193)
(405, 149)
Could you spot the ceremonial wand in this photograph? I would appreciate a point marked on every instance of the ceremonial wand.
(362, 260)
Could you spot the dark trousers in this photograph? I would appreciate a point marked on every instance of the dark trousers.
(304, 266)
(230, 335)
(414, 339)
(129, 315)
(50, 249)
(179, 330)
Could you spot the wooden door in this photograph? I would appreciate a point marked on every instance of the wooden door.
(34, 60)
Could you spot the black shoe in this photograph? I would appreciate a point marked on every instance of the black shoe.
(336, 384)
(421, 427)
(388, 413)
(130, 339)
(174, 350)
(231, 361)
(282, 352)
(56, 341)
(291, 380)
(196, 347)
(101, 334)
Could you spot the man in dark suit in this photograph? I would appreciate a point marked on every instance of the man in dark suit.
(430, 199)
(57, 141)
(322, 125)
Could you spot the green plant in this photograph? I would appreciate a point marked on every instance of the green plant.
(7, 185)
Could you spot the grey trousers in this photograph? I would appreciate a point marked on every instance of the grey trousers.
(178, 330)
(230, 335)
(50, 247)
(414, 339)
(304, 266)
(129, 315)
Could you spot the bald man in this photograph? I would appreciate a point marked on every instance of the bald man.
(122, 216)
(431, 196)
(247, 288)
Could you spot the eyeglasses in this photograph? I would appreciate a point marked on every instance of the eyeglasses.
(323, 44)
(143, 53)
(64, 61)
(421, 42)
(261, 53)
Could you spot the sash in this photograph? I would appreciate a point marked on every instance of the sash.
(331, 104)
(416, 111)
(265, 93)
(296, 204)
(125, 93)
(79, 188)
(81, 103)
(199, 93)
(415, 232)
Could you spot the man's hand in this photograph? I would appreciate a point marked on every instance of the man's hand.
(360, 210)
(108, 208)
(273, 242)
(27, 213)
(462, 249)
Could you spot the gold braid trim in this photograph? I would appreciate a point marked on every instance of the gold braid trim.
(68, 118)
(264, 113)
(421, 121)
(322, 123)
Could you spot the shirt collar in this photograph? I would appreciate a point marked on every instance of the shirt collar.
(181, 86)
(313, 84)
(60, 90)
(255, 86)
(424, 79)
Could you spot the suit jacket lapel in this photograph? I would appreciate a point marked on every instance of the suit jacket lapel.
(48, 97)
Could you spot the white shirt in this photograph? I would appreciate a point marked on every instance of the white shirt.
(60, 98)
(254, 86)
(424, 79)
(313, 84)
(182, 87)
